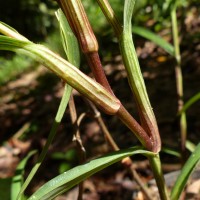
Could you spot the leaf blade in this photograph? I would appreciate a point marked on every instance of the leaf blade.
(190, 102)
(17, 180)
(149, 35)
(69, 41)
(74, 176)
(185, 173)
(68, 72)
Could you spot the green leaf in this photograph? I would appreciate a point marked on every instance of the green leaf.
(68, 179)
(190, 102)
(18, 179)
(185, 173)
(72, 51)
(128, 12)
(69, 40)
(171, 152)
(11, 32)
(190, 146)
(57, 120)
(149, 35)
(9, 27)
(136, 80)
(69, 73)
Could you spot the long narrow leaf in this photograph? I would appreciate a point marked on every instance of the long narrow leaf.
(11, 32)
(171, 152)
(190, 146)
(190, 102)
(57, 120)
(149, 35)
(135, 77)
(67, 180)
(185, 173)
(69, 73)
(69, 40)
(18, 179)
(71, 47)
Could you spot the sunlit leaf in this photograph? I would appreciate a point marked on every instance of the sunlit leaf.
(149, 35)
(185, 173)
(70, 45)
(136, 80)
(190, 146)
(69, 40)
(69, 73)
(68, 179)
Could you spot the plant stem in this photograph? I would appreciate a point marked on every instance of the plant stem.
(77, 18)
(95, 65)
(132, 66)
(111, 17)
(138, 88)
(138, 180)
(77, 139)
(158, 175)
(77, 136)
(179, 82)
(74, 11)
(133, 125)
(127, 162)
(104, 129)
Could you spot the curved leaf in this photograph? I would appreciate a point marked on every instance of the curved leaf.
(69, 40)
(149, 35)
(18, 179)
(72, 51)
(185, 173)
(11, 32)
(190, 146)
(190, 102)
(67, 180)
(69, 73)
(136, 80)
(171, 152)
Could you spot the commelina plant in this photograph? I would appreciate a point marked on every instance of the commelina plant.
(76, 31)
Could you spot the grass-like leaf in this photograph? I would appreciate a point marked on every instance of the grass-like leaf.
(18, 179)
(11, 32)
(190, 102)
(171, 152)
(149, 35)
(68, 72)
(135, 77)
(69, 41)
(185, 173)
(68, 179)
(190, 146)
(70, 45)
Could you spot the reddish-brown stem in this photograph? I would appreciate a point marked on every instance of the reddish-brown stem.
(136, 128)
(94, 62)
(79, 23)
(150, 128)
(127, 162)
